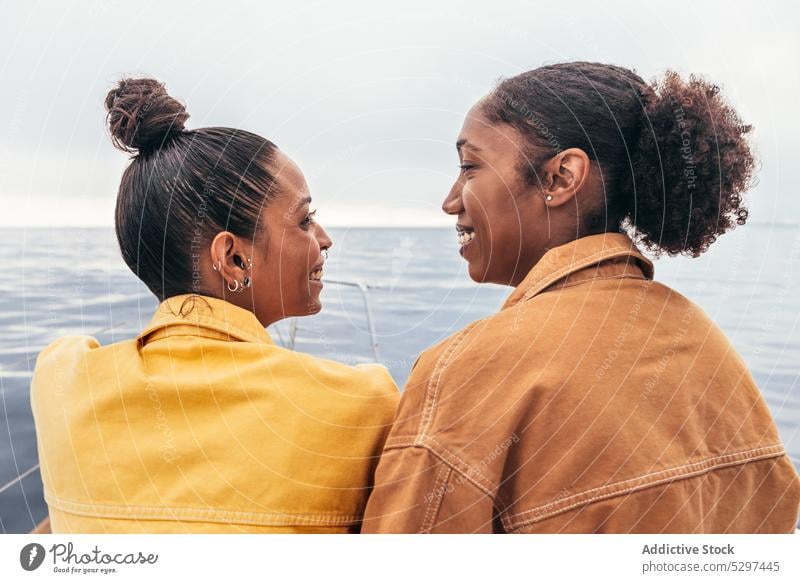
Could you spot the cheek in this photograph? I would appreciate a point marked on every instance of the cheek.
(477, 201)
(491, 208)
(283, 260)
(301, 257)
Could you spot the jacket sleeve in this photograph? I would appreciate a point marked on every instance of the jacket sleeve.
(416, 492)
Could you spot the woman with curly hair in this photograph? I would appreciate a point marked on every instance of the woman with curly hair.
(595, 400)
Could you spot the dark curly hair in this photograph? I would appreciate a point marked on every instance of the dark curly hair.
(182, 187)
(673, 155)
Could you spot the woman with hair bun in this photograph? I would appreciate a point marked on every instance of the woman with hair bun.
(595, 400)
(201, 423)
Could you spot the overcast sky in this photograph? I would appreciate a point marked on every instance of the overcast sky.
(366, 98)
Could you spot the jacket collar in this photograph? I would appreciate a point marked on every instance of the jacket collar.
(204, 316)
(561, 262)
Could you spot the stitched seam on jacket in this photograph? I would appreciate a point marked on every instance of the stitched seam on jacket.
(198, 331)
(438, 492)
(165, 318)
(431, 395)
(775, 449)
(462, 466)
(456, 463)
(593, 279)
(545, 282)
(200, 514)
(519, 520)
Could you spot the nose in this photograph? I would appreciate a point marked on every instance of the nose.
(452, 204)
(322, 238)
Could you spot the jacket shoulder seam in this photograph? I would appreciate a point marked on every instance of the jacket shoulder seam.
(190, 514)
(432, 389)
(467, 471)
(514, 522)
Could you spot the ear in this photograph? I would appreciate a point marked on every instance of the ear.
(230, 256)
(567, 172)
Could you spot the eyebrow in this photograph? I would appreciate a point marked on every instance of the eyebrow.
(301, 204)
(463, 143)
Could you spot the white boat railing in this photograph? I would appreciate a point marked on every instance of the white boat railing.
(364, 289)
(19, 478)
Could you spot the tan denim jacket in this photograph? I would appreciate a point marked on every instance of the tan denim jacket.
(595, 400)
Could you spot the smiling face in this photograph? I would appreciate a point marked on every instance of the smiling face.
(287, 254)
(502, 220)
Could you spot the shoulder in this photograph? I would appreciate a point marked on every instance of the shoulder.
(66, 347)
(466, 397)
(463, 384)
(85, 350)
(360, 395)
(366, 379)
(486, 352)
(59, 362)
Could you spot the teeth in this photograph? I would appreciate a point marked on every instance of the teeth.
(465, 237)
(316, 275)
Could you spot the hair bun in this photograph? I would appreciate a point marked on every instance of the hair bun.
(142, 116)
(692, 165)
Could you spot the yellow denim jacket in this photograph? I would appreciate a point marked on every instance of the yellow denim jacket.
(202, 424)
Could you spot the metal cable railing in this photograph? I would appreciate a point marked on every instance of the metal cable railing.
(363, 288)
(19, 478)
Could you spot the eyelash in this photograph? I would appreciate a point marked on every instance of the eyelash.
(309, 218)
(466, 167)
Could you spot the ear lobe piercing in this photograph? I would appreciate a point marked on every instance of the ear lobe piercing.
(247, 281)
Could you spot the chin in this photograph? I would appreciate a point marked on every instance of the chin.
(478, 273)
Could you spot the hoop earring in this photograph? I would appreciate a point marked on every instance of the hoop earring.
(234, 288)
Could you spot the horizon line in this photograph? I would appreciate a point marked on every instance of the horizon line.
(400, 226)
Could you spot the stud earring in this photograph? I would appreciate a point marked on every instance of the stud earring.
(217, 266)
(549, 197)
(246, 282)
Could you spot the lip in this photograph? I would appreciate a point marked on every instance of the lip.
(460, 229)
(317, 282)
